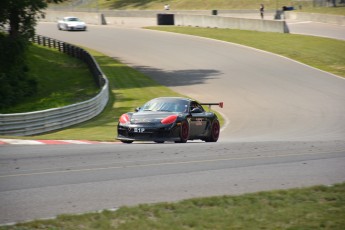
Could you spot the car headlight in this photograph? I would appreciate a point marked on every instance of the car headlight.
(124, 119)
(169, 120)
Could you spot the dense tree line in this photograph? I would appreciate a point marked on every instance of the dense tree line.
(15, 83)
(18, 19)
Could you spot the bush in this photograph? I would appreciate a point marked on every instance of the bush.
(15, 83)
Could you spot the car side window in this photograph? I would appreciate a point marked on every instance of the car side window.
(181, 107)
(196, 107)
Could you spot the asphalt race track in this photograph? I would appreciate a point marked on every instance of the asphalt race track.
(285, 128)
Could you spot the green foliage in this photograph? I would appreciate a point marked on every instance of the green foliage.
(15, 84)
(21, 16)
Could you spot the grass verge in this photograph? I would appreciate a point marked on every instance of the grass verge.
(318, 207)
(340, 10)
(323, 53)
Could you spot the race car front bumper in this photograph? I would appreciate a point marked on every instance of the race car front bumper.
(149, 133)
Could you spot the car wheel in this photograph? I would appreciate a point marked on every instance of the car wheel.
(214, 132)
(159, 142)
(59, 27)
(184, 132)
(126, 142)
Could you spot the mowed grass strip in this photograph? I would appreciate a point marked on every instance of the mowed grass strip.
(323, 53)
(318, 207)
(62, 80)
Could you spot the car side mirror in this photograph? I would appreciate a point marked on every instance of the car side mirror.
(137, 109)
(196, 110)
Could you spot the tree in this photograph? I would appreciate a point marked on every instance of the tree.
(19, 18)
(15, 81)
(21, 15)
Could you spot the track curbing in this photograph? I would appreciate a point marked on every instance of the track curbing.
(50, 142)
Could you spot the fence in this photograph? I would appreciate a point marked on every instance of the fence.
(76, 52)
(22, 124)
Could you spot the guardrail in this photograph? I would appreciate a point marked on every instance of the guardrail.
(23, 124)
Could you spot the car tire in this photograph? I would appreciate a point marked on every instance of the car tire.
(184, 132)
(159, 142)
(214, 132)
(126, 142)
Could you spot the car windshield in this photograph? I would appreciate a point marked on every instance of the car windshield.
(73, 19)
(165, 105)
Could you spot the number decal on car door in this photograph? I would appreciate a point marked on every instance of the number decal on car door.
(198, 121)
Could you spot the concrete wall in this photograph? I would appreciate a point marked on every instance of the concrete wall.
(325, 18)
(87, 17)
(231, 23)
(150, 13)
(149, 18)
(131, 22)
(153, 13)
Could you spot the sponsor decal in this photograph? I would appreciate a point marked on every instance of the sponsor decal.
(198, 121)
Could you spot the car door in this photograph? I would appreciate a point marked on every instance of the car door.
(198, 120)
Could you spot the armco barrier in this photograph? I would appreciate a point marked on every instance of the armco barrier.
(22, 124)
(231, 23)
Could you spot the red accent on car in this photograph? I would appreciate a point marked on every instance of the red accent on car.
(124, 119)
(169, 120)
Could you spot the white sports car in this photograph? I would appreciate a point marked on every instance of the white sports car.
(71, 23)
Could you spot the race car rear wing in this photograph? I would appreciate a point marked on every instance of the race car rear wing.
(220, 104)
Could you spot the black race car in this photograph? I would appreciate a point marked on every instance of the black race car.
(169, 119)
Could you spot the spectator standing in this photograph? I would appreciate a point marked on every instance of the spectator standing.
(262, 9)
